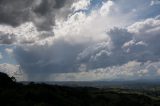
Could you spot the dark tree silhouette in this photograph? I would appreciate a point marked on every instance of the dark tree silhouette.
(5, 80)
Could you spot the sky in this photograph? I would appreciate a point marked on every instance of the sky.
(80, 40)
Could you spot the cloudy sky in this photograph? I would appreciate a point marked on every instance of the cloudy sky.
(80, 40)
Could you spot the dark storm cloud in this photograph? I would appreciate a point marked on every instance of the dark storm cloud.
(7, 38)
(40, 12)
(14, 12)
(42, 60)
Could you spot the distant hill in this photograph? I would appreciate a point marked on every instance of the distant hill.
(32, 94)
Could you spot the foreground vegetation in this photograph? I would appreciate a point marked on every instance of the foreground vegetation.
(17, 94)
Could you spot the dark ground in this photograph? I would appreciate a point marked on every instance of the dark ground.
(32, 94)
